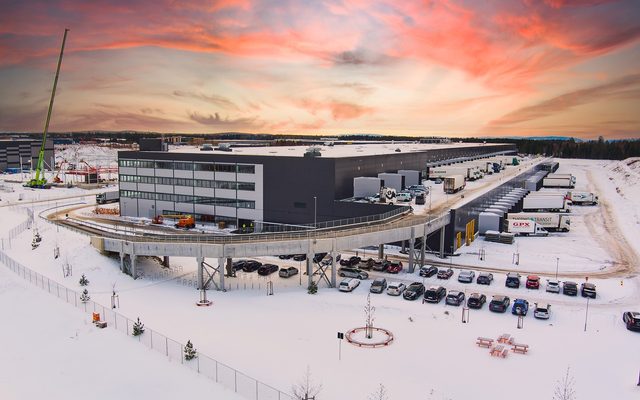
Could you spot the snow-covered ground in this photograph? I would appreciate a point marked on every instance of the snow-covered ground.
(434, 355)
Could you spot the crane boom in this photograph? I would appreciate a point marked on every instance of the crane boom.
(38, 181)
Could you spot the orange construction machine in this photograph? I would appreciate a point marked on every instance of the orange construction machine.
(184, 221)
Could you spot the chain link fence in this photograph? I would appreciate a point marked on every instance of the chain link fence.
(173, 350)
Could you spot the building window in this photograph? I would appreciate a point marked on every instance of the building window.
(250, 186)
(246, 169)
(184, 166)
(164, 164)
(204, 167)
(225, 168)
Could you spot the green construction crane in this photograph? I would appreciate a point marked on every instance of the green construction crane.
(40, 182)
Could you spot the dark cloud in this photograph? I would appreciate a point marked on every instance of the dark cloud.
(228, 123)
(219, 101)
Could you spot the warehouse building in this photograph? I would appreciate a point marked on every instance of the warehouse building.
(276, 184)
(16, 153)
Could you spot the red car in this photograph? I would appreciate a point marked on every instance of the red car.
(533, 282)
(394, 267)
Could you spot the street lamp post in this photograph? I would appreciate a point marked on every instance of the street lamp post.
(557, 265)
(315, 212)
(586, 315)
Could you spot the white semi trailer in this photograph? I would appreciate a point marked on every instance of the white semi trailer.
(450, 170)
(584, 198)
(549, 221)
(546, 204)
(453, 184)
(108, 197)
(558, 183)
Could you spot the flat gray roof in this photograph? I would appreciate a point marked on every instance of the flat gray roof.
(336, 151)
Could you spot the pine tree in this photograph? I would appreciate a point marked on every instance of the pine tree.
(83, 280)
(138, 328)
(84, 297)
(189, 352)
(313, 288)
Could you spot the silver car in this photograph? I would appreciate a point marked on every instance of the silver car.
(396, 288)
(466, 276)
(553, 286)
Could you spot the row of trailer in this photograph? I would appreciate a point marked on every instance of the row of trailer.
(455, 176)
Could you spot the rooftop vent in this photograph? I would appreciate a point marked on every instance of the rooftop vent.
(313, 151)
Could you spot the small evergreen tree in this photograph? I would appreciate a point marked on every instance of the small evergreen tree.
(84, 297)
(189, 352)
(313, 288)
(83, 280)
(138, 328)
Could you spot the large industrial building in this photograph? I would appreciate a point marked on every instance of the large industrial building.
(23, 152)
(275, 185)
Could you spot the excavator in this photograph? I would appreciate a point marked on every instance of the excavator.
(39, 181)
(184, 221)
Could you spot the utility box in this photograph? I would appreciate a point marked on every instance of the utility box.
(366, 186)
(411, 177)
(391, 180)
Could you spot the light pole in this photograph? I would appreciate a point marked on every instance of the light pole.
(586, 315)
(557, 265)
(315, 212)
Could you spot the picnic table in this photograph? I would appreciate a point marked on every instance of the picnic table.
(520, 348)
(505, 338)
(498, 351)
(484, 342)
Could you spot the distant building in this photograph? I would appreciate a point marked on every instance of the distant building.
(23, 152)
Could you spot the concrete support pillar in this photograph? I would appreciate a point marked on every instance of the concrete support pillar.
(199, 261)
(122, 262)
(412, 245)
(309, 268)
(134, 261)
(230, 271)
(221, 263)
(165, 261)
(423, 248)
(442, 242)
(381, 251)
(333, 269)
(404, 246)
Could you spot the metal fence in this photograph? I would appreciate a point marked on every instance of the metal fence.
(219, 372)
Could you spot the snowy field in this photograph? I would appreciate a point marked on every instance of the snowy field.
(274, 338)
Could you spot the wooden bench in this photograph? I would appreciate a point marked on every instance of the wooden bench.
(497, 351)
(520, 348)
(484, 342)
(505, 338)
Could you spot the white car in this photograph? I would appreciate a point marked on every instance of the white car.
(466, 276)
(395, 288)
(542, 311)
(553, 286)
(402, 196)
(348, 284)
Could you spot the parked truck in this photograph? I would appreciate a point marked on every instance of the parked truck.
(386, 195)
(469, 172)
(549, 221)
(558, 183)
(546, 203)
(454, 183)
(108, 197)
(584, 198)
(525, 227)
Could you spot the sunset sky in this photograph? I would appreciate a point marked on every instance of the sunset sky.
(442, 67)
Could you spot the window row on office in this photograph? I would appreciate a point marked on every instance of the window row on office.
(183, 198)
(189, 166)
(201, 183)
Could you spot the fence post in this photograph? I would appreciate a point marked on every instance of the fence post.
(235, 380)
(151, 334)
(216, 371)
(166, 345)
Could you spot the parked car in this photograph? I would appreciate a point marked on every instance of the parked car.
(381, 267)
(569, 288)
(466, 276)
(395, 288)
(513, 280)
(445, 273)
(413, 291)
(238, 265)
(520, 307)
(533, 282)
(476, 300)
(267, 269)
(394, 267)
(542, 311)
(404, 197)
(300, 257)
(352, 272)
(285, 256)
(351, 261)
(588, 289)
(632, 320)
(378, 285)
(286, 272)
(484, 278)
(434, 294)
(349, 284)
(415, 189)
(553, 286)
(454, 298)
(251, 266)
(421, 198)
(428, 271)
(318, 257)
(499, 304)
(368, 263)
